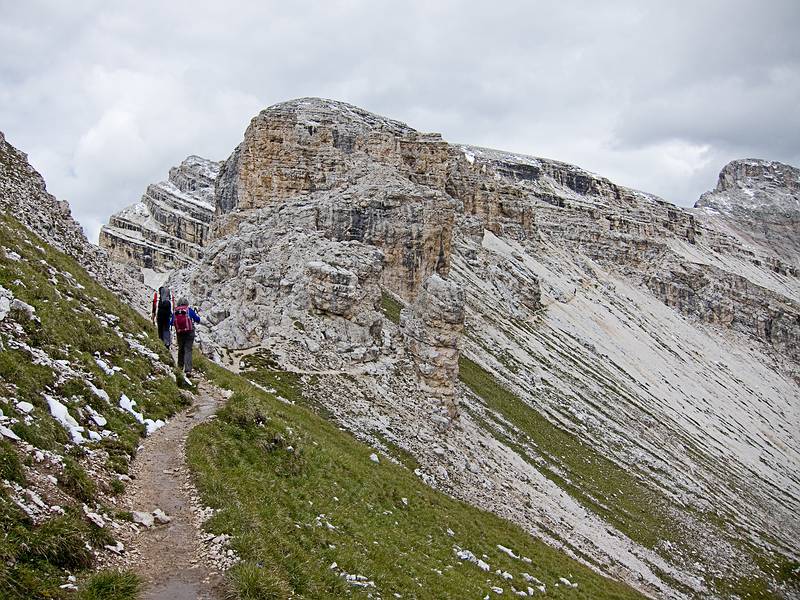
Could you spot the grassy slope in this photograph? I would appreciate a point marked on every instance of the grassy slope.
(614, 493)
(270, 497)
(36, 559)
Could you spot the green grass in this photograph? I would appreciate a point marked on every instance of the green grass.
(10, 463)
(35, 559)
(76, 481)
(272, 468)
(111, 585)
(595, 481)
(391, 307)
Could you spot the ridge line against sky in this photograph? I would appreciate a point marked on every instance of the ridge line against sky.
(105, 98)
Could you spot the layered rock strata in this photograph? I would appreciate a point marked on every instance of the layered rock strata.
(169, 226)
(378, 181)
(665, 339)
(695, 265)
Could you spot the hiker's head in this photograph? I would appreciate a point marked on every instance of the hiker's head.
(163, 291)
(184, 301)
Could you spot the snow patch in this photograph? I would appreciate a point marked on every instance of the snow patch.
(129, 405)
(61, 414)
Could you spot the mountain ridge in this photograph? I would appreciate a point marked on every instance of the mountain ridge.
(540, 313)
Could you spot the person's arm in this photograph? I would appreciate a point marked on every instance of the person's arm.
(193, 315)
(155, 305)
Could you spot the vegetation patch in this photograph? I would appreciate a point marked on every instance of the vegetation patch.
(391, 307)
(306, 506)
(79, 322)
(111, 585)
(603, 486)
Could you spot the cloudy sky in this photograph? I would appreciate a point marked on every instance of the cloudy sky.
(106, 96)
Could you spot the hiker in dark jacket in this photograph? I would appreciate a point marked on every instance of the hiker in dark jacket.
(184, 319)
(162, 314)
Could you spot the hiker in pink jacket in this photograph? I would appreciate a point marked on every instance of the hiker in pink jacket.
(183, 319)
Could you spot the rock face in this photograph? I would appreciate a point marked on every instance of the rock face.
(278, 279)
(760, 199)
(377, 180)
(23, 194)
(319, 206)
(665, 339)
(684, 258)
(432, 328)
(169, 226)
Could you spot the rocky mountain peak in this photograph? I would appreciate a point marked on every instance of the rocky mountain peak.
(754, 172)
(310, 144)
(755, 184)
(760, 200)
(316, 112)
(196, 176)
(169, 225)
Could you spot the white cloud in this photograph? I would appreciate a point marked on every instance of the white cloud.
(105, 97)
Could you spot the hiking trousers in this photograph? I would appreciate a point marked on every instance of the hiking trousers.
(185, 342)
(164, 332)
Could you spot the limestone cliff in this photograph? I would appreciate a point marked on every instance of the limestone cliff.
(168, 227)
(374, 180)
(663, 341)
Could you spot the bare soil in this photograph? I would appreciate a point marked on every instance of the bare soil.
(169, 557)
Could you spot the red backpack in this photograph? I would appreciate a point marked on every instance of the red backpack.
(183, 322)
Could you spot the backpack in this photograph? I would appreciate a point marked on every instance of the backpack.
(183, 322)
(164, 309)
(164, 306)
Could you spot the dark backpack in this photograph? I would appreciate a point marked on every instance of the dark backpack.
(183, 322)
(164, 309)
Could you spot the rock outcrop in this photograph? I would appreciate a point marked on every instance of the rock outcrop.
(760, 201)
(376, 181)
(24, 195)
(665, 339)
(169, 226)
(432, 328)
(652, 242)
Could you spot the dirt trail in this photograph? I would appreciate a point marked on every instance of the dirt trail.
(168, 556)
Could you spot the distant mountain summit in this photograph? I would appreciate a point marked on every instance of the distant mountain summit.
(761, 199)
(752, 184)
(168, 227)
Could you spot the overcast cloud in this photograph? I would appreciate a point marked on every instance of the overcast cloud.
(106, 96)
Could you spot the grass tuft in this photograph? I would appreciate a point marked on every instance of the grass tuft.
(391, 307)
(250, 581)
(77, 482)
(10, 464)
(111, 585)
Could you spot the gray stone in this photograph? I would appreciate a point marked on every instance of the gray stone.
(143, 518)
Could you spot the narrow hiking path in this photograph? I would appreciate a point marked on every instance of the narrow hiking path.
(233, 362)
(169, 557)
